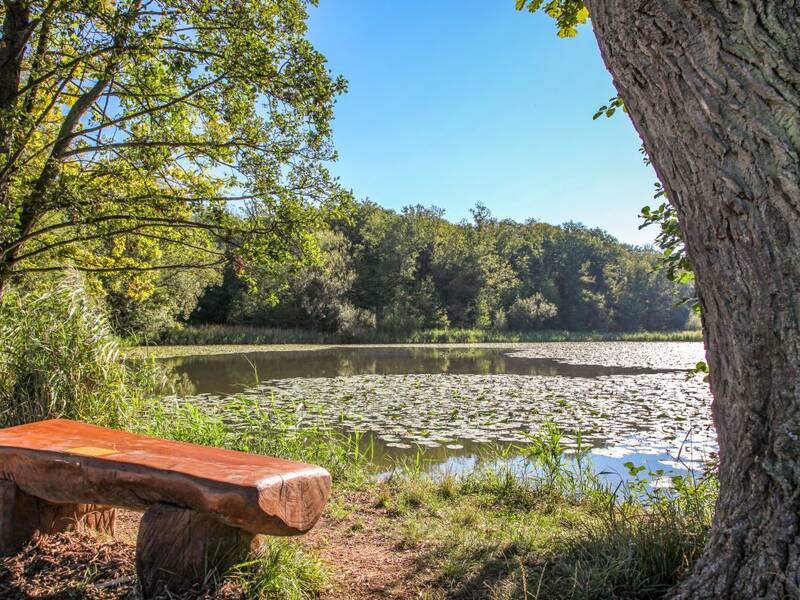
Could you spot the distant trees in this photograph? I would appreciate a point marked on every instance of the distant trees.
(415, 270)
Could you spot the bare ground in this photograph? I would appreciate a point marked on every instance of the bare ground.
(363, 559)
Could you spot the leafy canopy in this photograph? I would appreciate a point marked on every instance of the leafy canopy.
(137, 135)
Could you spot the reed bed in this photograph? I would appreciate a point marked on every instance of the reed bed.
(245, 334)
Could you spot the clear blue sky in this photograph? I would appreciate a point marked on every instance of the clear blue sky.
(456, 102)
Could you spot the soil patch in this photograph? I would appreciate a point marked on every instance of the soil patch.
(366, 561)
(363, 560)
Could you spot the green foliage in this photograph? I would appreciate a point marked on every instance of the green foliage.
(172, 296)
(568, 14)
(531, 313)
(642, 294)
(160, 135)
(315, 295)
(669, 239)
(59, 358)
(415, 271)
(212, 336)
(281, 570)
(609, 109)
(550, 525)
(199, 335)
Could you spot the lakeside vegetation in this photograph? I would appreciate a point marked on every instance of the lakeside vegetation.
(208, 335)
(550, 526)
(380, 276)
(60, 357)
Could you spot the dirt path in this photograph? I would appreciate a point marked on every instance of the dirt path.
(365, 561)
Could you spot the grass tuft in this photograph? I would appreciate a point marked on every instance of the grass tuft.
(281, 570)
(552, 528)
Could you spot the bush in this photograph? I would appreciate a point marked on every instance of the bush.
(60, 359)
(401, 317)
(531, 313)
(355, 322)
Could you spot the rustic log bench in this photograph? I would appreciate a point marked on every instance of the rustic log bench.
(203, 506)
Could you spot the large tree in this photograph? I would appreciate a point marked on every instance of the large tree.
(713, 88)
(128, 125)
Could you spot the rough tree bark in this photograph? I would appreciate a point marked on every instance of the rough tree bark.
(16, 30)
(714, 90)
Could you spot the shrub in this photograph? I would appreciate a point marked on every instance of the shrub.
(355, 322)
(531, 313)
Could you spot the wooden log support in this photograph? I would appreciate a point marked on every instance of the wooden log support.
(22, 516)
(178, 550)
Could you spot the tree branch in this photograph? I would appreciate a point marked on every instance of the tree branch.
(23, 270)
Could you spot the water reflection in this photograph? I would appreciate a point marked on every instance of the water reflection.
(231, 373)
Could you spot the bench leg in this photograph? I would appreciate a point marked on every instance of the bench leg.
(22, 516)
(179, 549)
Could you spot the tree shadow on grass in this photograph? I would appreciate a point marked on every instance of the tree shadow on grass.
(616, 562)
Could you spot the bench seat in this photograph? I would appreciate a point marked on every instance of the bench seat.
(223, 496)
(65, 461)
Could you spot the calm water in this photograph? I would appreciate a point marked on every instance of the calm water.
(232, 373)
(629, 400)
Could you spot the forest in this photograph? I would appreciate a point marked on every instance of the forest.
(374, 269)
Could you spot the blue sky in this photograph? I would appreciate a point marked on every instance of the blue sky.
(452, 103)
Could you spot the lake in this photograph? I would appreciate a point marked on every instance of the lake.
(630, 401)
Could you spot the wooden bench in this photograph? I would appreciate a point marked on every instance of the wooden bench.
(203, 506)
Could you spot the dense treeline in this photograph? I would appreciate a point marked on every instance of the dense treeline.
(416, 270)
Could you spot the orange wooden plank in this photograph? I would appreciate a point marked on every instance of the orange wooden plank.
(68, 461)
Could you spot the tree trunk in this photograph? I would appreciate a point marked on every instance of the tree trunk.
(16, 29)
(714, 90)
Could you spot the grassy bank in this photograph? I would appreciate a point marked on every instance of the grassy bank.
(242, 334)
(549, 528)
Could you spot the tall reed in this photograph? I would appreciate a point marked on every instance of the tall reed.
(60, 359)
(188, 335)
